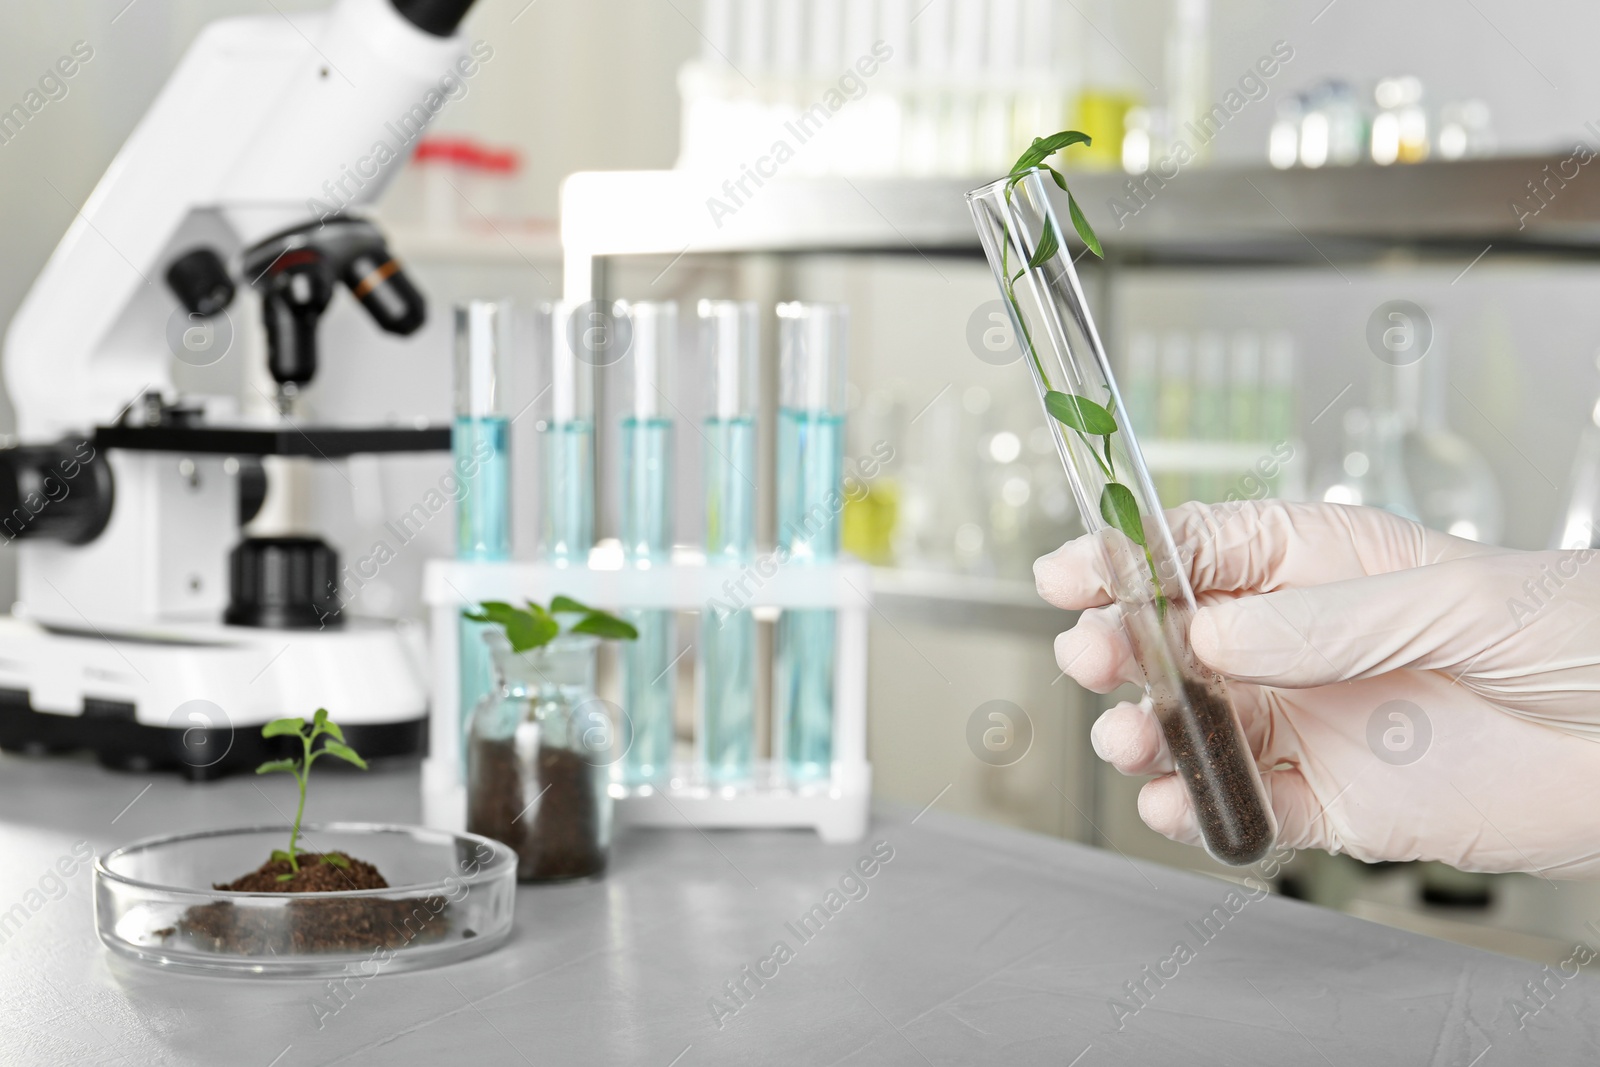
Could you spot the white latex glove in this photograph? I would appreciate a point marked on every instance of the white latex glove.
(1322, 615)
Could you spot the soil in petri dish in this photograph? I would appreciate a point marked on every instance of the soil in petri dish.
(311, 925)
(1220, 775)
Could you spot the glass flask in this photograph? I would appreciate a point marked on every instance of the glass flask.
(538, 759)
(1027, 251)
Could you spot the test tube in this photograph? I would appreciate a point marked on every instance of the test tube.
(568, 436)
(811, 367)
(725, 739)
(648, 684)
(480, 443)
(1024, 244)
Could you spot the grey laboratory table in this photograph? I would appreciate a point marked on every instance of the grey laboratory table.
(969, 945)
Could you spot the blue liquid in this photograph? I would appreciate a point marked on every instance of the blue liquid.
(648, 680)
(810, 505)
(727, 732)
(480, 446)
(569, 492)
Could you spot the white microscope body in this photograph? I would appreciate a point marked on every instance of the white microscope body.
(123, 497)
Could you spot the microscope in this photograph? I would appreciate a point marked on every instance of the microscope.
(148, 628)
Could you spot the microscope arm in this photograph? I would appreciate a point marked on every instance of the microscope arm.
(259, 130)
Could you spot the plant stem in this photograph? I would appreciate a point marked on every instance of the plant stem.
(300, 779)
(1108, 465)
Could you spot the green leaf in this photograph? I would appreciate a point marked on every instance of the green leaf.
(525, 629)
(475, 616)
(336, 860)
(283, 728)
(1081, 224)
(1059, 177)
(1119, 508)
(1043, 148)
(273, 766)
(285, 877)
(344, 752)
(1048, 246)
(332, 729)
(563, 605)
(280, 854)
(1080, 413)
(600, 624)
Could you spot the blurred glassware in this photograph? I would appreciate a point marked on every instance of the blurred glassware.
(1465, 131)
(880, 87)
(1400, 129)
(1314, 128)
(1347, 124)
(1577, 526)
(1209, 421)
(1283, 143)
(1370, 471)
(1138, 140)
(1174, 408)
(1140, 378)
(1452, 487)
(1244, 388)
(871, 518)
(1188, 69)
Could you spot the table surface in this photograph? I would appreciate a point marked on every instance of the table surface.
(972, 944)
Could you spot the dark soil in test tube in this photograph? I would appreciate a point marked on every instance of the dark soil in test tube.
(552, 821)
(311, 925)
(1220, 774)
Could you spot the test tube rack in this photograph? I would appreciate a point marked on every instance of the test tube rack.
(836, 807)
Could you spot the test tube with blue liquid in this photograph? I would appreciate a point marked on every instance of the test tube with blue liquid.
(811, 368)
(480, 443)
(567, 436)
(648, 680)
(726, 735)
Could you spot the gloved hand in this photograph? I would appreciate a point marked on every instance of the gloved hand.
(1408, 695)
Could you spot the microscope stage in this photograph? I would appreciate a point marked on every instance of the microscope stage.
(324, 442)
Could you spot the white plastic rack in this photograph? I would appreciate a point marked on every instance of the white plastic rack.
(835, 807)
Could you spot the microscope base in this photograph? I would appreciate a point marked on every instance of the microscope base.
(192, 698)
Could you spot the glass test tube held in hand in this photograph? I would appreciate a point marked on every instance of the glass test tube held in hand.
(811, 347)
(648, 681)
(567, 434)
(1150, 585)
(480, 441)
(726, 734)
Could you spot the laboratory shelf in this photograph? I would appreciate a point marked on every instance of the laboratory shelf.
(1202, 215)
